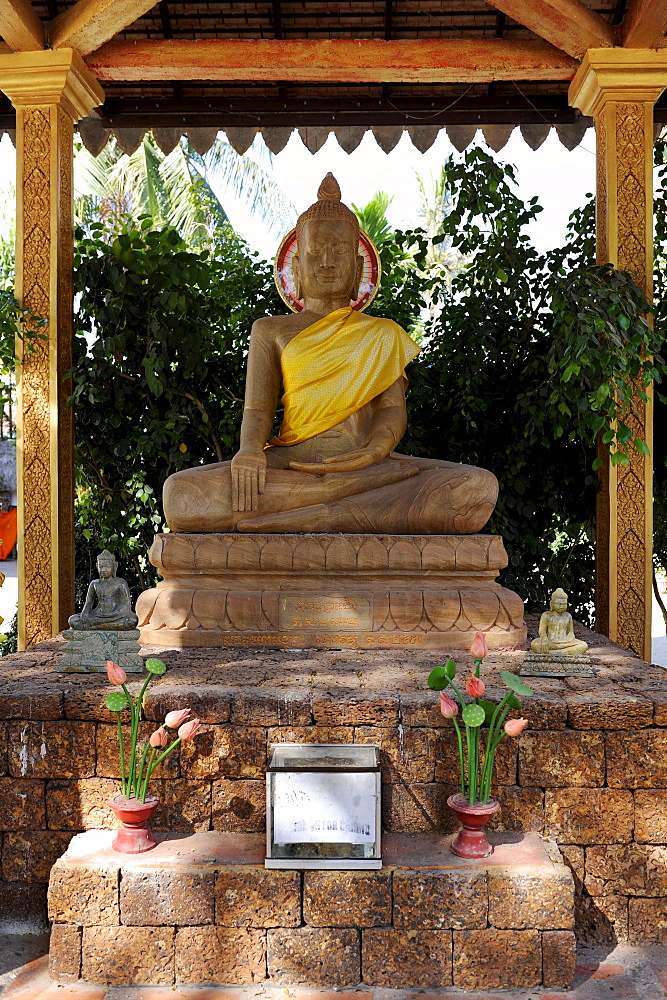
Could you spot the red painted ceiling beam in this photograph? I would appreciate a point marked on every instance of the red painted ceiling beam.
(469, 60)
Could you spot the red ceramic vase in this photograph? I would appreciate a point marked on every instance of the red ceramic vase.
(134, 835)
(471, 840)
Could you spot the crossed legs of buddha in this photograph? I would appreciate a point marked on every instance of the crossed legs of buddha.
(396, 496)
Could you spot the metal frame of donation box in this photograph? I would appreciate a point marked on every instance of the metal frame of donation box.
(323, 806)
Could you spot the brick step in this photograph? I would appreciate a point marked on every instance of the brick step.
(203, 908)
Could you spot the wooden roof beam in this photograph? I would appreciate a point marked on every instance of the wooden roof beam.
(567, 24)
(20, 27)
(644, 25)
(333, 60)
(91, 23)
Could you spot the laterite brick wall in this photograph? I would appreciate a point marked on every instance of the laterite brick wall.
(591, 771)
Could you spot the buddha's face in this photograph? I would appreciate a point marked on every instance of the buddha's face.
(105, 569)
(328, 265)
(559, 605)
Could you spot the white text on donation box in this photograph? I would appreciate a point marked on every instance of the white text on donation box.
(323, 807)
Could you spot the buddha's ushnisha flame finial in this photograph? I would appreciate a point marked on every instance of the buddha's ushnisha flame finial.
(328, 206)
(329, 189)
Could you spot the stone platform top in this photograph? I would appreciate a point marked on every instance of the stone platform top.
(336, 687)
(212, 849)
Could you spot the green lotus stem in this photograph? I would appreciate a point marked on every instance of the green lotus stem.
(461, 766)
(469, 756)
(151, 766)
(135, 732)
(140, 698)
(148, 772)
(141, 765)
(472, 765)
(123, 783)
(457, 692)
(491, 750)
(489, 754)
(478, 664)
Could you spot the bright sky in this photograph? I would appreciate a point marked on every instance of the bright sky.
(560, 179)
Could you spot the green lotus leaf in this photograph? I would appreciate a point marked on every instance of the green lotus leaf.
(116, 701)
(489, 709)
(450, 669)
(473, 715)
(154, 666)
(514, 702)
(515, 683)
(438, 679)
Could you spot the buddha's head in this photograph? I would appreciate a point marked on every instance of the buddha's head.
(106, 564)
(558, 601)
(327, 263)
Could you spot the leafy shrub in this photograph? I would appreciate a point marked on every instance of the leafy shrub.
(526, 358)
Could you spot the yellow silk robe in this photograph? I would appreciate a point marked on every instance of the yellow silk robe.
(334, 367)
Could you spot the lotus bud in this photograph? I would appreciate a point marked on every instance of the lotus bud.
(448, 706)
(189, 730)
(478, 647)
(475, 687)
(115, 673)
(514, 727)
(175, 719)
(159, 738)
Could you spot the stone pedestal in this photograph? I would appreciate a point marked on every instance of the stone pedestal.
(329, 591)
(88, 652)
(555, 665)
(205, 910)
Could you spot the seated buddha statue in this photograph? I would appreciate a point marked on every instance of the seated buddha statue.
(557, 629)
(108, 604)
(333, 467)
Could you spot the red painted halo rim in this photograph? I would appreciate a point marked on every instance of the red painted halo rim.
(368, 286)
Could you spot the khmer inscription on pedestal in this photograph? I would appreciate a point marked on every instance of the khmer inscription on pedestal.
(329, 591)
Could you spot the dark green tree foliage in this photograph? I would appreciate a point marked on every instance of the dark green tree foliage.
(158, 380)
(530, 356)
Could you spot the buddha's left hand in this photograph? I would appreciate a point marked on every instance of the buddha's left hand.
(350, 461)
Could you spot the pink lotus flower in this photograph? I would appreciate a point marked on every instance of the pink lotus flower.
(189, 730)
(115, 673)
(159, 738)
(475, 687)
(514, 727)
(478, 647)
(448, 706)
(175, 719)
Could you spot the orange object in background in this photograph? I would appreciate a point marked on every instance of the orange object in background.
(7, 532)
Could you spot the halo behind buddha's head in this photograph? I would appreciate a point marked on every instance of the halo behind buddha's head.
(327, 206)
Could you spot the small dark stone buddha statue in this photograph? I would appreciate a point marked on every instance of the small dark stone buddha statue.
(108, 604)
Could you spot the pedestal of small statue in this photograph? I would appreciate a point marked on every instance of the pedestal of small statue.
(86, 652)
(329, 591)
(555, 665)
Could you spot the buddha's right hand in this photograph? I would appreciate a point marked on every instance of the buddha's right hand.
(248, 479)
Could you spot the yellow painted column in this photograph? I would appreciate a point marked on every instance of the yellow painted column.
(618, 88)
(50, 91)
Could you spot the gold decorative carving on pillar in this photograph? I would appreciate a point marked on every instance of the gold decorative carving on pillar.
(50, 91)
(619, 87)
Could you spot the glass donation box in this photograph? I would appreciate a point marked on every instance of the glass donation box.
(323, 806)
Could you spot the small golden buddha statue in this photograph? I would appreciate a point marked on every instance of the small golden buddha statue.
(557, 630)
(333, 466)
